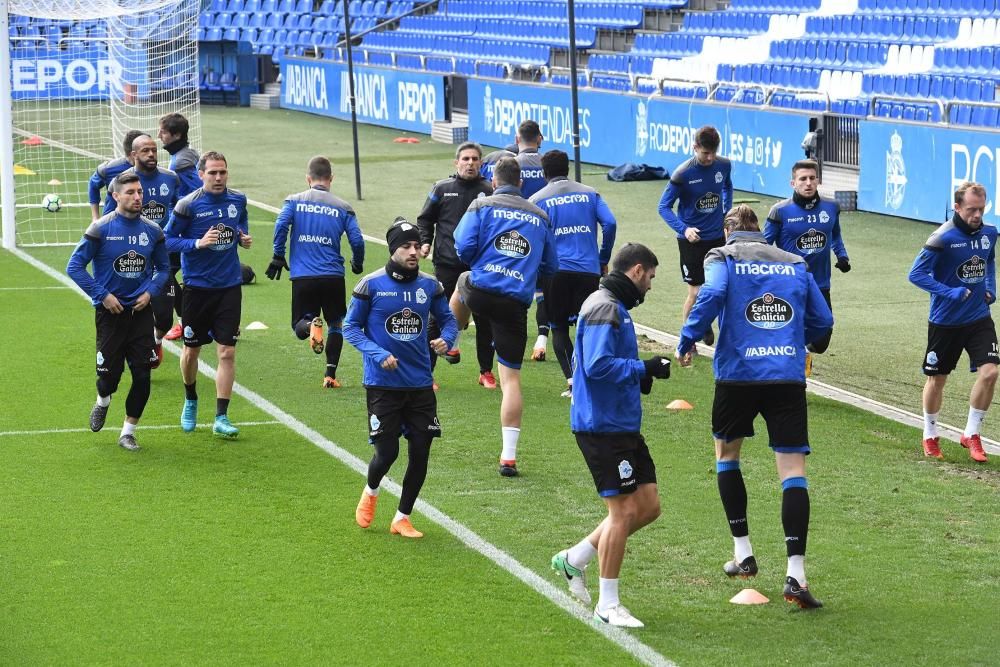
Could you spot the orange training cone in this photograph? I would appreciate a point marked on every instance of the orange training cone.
(33, 140)
(749, 596)
(679, 404)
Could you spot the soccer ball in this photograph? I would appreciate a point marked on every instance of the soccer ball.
(52, 203)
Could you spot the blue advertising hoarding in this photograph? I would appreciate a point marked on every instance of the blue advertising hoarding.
(617, 128)
(912, 170)
(391, 98)
(53, 74)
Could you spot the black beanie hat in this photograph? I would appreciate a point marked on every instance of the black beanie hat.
(402, 231)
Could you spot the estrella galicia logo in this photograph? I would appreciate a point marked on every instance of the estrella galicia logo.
(512, 244)
(972, 270)
(154, 211)
(769, 312)
(811, 242)
(641, 131)
(895, 173)
(624, 469)
(232, 211)
(488, 109)
(130, 264)
(709, 202)
(227, 238)
(404, 325)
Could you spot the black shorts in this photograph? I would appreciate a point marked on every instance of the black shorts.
(447, 275)
(693, 258)
(619, 462)
(310, 296)
(783, 407)
(211, 314)
(127, 336)
(565, 295)
(396, 412)
(508, 320)
(945, 345)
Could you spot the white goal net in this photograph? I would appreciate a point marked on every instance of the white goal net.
(82, 74)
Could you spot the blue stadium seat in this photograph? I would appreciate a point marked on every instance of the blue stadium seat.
(992, 114)
(235, 6)
(978, 116)
(909, 112)
(213, 35)
(964, 114)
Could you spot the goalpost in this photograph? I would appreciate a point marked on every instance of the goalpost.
(75, 77)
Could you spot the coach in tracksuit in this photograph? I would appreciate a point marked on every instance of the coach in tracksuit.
(769, 308)
(317, 221)
(447, 202)
(388, 323)
(702, 187)
(958, 267)
(207, 227)
(808, 225)
(130, 268)
(106, 172)
(508, 243)
(575, 211)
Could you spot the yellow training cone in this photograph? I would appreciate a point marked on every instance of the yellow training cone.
(22, 171)
(679, 404)
(749, 596)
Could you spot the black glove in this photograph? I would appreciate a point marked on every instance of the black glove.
(273, 271)
(646, 384)
(657, 367)
(843, 264)
(356, 268)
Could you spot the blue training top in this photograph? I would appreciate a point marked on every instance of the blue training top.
(159, 193)
(705, 195)
(575, 211)
(810, 231)
(317, 220)
(217, 266)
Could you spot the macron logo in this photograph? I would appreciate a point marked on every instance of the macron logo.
(322, 209)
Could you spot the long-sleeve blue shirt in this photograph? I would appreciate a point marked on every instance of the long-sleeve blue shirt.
(389, 315)
(576, 211)
(532, 174)
(317, 220)
(129, 257)
(159, 194)
(704, 194)
(507, 241)
(217, 266)
(103, 175)
(490, 162)
(184, 163)
(811, 231)
(768, 306)
(955, 259)
(606, 368)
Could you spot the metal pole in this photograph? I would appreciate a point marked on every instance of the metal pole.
(354, 110)
(6, 132)
(575, 103)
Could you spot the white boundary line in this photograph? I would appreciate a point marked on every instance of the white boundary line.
(144, 427)
(543, 587)
(30, 289)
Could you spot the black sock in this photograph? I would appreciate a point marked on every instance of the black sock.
(191, 391)
(416, 472)
(334, 347)
(795, 516)
(221, 406)
(563, 347)
(138, 395)
(733, 492)
(386, 452)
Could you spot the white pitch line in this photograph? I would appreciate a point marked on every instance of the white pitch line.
(139, 429)
(557, 596)
(28, 289)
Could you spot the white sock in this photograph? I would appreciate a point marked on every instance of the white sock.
(510, 438)
(742, 549)
(797, 569)
(103, 401)
(930, 425)
(609, 594)
(400, 516)
(370, 491)
(581, 554)
(128, 428)
(541, 342)
(975, 421)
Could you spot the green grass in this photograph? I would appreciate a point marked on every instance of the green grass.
(196, 550)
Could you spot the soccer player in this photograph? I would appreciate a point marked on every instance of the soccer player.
(159, 195)
(447, 202)
(173, 133)
(958, 267)
(575, 211)
(508, 243)
(774, 309)
(130, 268)
(808, 225)
(606, 418)
(206, 227)
(704, 190)
(106, 171)
(489, 162)
(317, 220)
(388, 323)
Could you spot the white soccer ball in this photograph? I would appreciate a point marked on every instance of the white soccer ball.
(52, 203)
